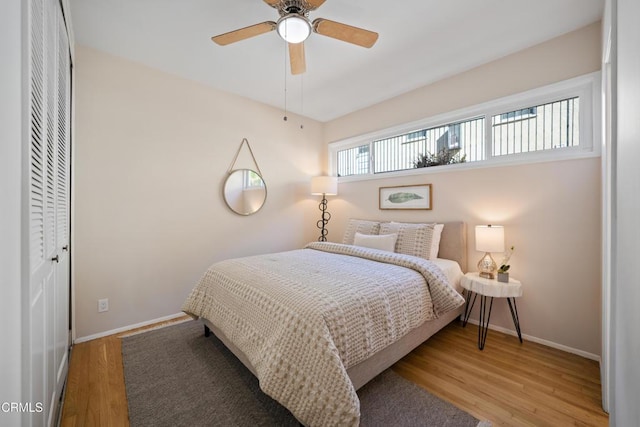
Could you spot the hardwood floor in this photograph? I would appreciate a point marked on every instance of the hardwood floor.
(507, 383)
(95, 393)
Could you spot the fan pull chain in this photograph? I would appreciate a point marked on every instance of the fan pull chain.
(285, 81)
(301, 100)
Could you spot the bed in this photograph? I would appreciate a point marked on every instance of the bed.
(316, 324)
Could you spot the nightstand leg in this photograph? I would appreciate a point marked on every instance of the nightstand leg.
(467, 309)
(514, 316)
(485, 316)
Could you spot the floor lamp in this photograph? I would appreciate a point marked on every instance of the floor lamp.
(325, 186)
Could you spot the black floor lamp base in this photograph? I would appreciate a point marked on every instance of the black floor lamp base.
(324, 219)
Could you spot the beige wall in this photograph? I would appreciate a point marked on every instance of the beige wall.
(151, 153)
(551, 210)
(571, 55)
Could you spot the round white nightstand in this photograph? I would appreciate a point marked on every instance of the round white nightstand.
(490, 288)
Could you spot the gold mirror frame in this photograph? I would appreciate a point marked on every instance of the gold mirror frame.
(245, 191)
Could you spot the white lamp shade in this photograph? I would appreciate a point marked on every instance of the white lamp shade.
(294, 28)
(327, 185)
(490, 238)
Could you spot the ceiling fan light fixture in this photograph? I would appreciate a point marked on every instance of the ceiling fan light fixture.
(294, 28)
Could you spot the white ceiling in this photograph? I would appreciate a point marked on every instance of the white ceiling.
(421, 41)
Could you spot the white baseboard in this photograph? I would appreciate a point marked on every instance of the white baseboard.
(127, 328)
(551, 344)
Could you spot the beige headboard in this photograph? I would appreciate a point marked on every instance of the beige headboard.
(453, 243)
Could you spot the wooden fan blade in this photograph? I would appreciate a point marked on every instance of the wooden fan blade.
(272, 3)
(314, 3)
(244, 33)
(296, 56)
(344, 32)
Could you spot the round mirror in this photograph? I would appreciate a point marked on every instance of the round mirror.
(244, 191)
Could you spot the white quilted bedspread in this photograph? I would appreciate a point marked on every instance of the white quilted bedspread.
(303, 317)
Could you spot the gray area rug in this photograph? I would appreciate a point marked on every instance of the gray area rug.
(176, 377)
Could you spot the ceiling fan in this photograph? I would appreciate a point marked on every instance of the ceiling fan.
(294, 27)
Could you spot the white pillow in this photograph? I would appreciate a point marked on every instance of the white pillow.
(435, 240)
(384, 242)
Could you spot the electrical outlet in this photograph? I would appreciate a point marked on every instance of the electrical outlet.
(103, 305)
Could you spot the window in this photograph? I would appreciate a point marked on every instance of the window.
(525, 113)
(456, 141)
(556, 121)
(543, 127)
(251, 179)
(354, 161)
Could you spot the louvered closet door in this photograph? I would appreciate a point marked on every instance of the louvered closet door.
(49, 124)
(63, 196)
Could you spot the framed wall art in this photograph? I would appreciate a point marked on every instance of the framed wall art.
(406, 197)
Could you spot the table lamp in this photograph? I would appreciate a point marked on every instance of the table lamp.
(489, 238)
